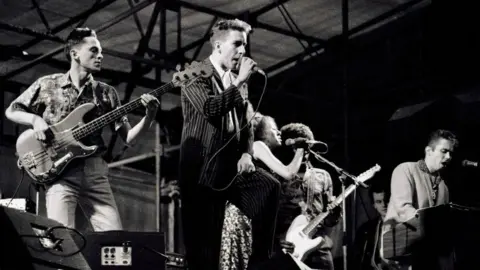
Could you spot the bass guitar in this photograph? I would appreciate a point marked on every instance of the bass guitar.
(45, 161)
(302, 230)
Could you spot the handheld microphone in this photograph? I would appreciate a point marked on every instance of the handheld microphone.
(469, 163)
(254, 69)
(257, 69)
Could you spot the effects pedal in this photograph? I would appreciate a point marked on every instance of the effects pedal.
(117, 255)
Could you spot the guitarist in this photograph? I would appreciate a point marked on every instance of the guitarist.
(48, 101)
(367, 241)
(317, 193)
(421, 184)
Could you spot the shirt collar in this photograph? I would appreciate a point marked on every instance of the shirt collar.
(217, 67)
(423, 166)
(66, 81)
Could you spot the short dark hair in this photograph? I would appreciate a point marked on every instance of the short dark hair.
(76, 37)
(223, 26)
(296, 130)
(377, 188)
(442, 134)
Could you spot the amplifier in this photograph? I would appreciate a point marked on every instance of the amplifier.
(175, 261)
(21, 204)
(117, 250)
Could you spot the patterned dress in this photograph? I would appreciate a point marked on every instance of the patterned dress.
(236, 245)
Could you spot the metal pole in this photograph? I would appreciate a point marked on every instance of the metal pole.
(131, 159)
(143, 156)
(346, 117)
(158, 183)
(171, 226)
(37, 202)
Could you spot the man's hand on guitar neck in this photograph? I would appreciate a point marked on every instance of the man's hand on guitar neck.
(40, 126)
(151, 103)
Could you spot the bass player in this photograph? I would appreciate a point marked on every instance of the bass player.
(49, 100)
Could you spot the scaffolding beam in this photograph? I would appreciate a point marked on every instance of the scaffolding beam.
(80, 19)
(100, 29)
(319, 46)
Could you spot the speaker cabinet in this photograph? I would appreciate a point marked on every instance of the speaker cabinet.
(34, 242)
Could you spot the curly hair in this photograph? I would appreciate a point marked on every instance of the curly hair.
(76, 37)
(221, 27)
(296, 130)
(259, 124)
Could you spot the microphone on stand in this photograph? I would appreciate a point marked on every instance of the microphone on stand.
(469, 163)
(303, 141)
(306, 143)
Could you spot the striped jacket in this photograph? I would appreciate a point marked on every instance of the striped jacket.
(205, 113)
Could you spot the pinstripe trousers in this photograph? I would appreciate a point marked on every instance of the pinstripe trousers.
(255, 194)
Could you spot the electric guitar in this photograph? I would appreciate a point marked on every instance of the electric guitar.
(45, 161)
(302, 230)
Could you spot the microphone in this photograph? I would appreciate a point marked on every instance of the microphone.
(257, 69)
(254, 69)
(302, 141)
(469, 163)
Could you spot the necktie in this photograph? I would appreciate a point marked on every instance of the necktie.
(232, 122)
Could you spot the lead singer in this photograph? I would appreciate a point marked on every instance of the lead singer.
(216, 154)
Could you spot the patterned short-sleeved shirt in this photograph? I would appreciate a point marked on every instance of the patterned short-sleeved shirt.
(54, 97)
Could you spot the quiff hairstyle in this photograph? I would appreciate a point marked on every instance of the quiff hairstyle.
(442, 134)
(76, 37)
(222, 27)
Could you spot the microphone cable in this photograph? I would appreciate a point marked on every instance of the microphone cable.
(234, 135)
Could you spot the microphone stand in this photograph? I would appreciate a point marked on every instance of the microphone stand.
(342, 176)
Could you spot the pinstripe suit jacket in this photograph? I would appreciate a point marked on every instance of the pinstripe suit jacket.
(205, 113)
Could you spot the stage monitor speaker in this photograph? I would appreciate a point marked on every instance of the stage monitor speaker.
(31, 242)
(122, 250)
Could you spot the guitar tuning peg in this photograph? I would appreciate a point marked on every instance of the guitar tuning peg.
(194, 73)
(186, 76)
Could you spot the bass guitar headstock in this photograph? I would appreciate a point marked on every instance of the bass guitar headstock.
(191, 71)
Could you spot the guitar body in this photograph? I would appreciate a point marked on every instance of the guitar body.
(304, 245)
(44, 162)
